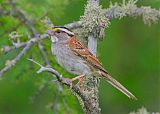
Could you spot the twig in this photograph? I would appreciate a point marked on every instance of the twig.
(7, 49)
(73, 25)
(61, 79)
(24, 20)
(17, 58)
(27, 47)
(3, 12)
(44, 86)
(31, 27)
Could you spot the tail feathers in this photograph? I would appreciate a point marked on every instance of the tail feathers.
(117, 85)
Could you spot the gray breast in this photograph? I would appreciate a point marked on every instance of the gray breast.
(68, 60)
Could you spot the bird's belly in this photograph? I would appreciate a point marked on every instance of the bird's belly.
(69, 61)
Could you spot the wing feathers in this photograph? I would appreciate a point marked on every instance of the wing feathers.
(89, 58)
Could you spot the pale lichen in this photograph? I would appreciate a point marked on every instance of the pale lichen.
(125, 8)
(14, 38)
(143, 110)
(10, 63)
(94, 20)
(149, 15)
(47, 22)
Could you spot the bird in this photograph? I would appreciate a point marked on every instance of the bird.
(74, 57)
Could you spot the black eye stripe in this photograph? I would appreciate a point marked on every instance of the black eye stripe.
(70, 35)
(59, 31)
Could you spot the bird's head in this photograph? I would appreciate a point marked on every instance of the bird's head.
(61, 34)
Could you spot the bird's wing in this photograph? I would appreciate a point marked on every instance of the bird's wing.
(84, 53)
(80, 50)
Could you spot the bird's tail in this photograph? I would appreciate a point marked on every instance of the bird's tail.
(117, 85)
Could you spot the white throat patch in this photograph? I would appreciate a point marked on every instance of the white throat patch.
(54, 39)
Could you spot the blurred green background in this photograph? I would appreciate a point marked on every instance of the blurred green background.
(129, 51)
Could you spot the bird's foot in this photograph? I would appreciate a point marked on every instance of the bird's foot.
(80, 78)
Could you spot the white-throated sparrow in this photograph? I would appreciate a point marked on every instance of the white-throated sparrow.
(77, 59)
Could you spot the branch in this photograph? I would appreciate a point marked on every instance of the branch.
(33, 30)
(59, 77)
(7, 49)
(149, 15)
(18, 14)
(27, 47)
(73, 25)
(3, 12)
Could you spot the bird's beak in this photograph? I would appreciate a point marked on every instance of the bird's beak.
(51, 33)
(54, 38)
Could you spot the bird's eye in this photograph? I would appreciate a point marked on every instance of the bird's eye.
(58, 31)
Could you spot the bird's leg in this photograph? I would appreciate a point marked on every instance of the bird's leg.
(80, 78)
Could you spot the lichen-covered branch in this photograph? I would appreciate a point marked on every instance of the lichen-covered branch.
(74, 25)
(94, 21)
(149, 15)
(91, 22)
(143, 110)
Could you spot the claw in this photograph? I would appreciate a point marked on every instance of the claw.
(80, 78)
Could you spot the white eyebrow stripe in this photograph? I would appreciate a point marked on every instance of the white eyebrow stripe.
(67, 31)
